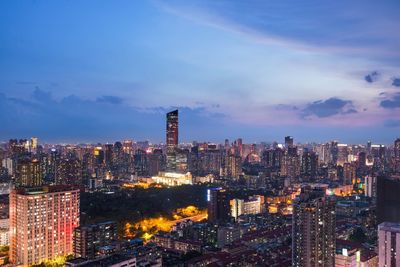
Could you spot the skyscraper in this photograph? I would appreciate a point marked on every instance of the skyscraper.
(42, 221)
(389, 244)
(218, 206)
(313, 237)
(172, 139)
(172, 130)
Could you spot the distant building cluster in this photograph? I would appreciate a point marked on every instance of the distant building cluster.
(268, 204)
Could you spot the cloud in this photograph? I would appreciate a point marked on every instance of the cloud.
(372, 77)
(74, 118)
(392, 123)
(396, 82)
(327, 108)
(286, 107)
(393, 102)
(350, 28)
(110, 99)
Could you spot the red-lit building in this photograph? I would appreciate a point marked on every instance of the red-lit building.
(42, 221)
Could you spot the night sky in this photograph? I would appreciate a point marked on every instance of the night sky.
(260, 70)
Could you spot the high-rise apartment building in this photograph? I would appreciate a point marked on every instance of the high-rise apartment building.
(290, 166)
(42, 221)
(309, 164)
(389, 244)
(88, 239)
(272, 158)
(69, 171)
(349, 173)
(370, 186)
(313, 237)
(233, 165)
(388, 201)
(218, 206)
(29, 173)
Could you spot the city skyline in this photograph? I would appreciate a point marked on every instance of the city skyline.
(200, 133)
(94, 72)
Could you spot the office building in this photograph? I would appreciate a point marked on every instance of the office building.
(88, 239)
(172, 139)
(218, 206)
(389, 244)
(313, 236)
(42, 221)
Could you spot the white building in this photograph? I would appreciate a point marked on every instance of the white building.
(370, 186)
(254, 205)
(173, 179)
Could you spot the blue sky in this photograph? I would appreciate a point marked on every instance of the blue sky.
(108, 70)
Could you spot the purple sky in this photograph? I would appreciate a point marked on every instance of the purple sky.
(260, 70)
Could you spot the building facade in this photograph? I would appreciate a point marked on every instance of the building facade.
(218, 206)
(388, 201)
(389, 244)
(88, 239)
(313, 236)
(42, 221)
(172, 139)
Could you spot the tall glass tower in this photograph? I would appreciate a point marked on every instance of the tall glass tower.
(172, 139)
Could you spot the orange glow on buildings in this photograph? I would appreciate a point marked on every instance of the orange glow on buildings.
(148, 227)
